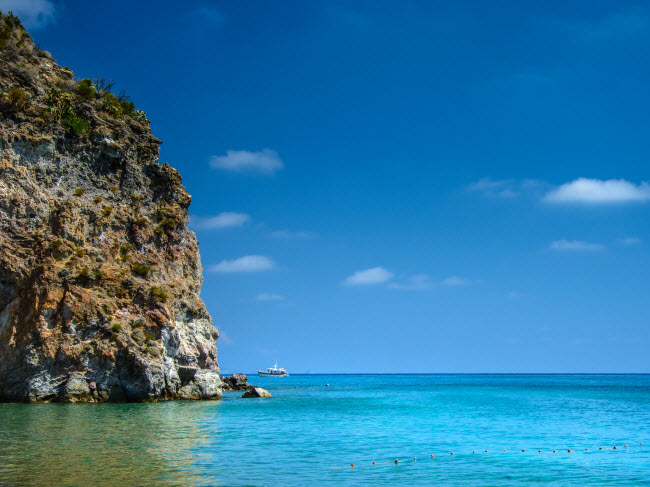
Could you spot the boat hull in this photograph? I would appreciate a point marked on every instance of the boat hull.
(266, 374)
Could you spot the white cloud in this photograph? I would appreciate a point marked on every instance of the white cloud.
(376, 275)
(597, 191)
(415, 282)
(266, 161)
(224, 338)
(575, 245)
(629, 241)
(286, 234)
(455, 281)
(34, 14)
(500, 187)
(269, 297)
(226, 219)
(248, 263)
(505, 188)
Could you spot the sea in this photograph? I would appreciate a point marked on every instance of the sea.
(451, 430)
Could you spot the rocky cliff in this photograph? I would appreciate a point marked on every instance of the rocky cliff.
(99, 275)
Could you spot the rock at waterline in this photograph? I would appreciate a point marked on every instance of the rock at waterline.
(236, 382)
(257, 392)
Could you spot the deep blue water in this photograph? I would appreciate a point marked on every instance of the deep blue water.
(306, 429)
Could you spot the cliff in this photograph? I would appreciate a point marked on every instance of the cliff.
(100, 278)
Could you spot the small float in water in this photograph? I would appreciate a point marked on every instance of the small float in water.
(273, 372)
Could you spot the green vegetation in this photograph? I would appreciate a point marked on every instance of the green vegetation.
(9, 23)
(141, 269)
(55, 244)
(60, 104)
(84, 272)
(78, 125)
(98, 199)
(98, 273)
(108, 210)
(114, 189)
(124, 251)
(116, 327)
(86, 89)
(160, 294)
(79, 192)
(138, 324)
(17, 99)
(80, 252)
(142, 221)
(168, 223)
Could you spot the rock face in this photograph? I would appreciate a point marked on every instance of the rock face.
(99, 275)
(236, 382)
(257, 392)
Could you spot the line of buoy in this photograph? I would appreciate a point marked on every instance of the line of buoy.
(569, 450)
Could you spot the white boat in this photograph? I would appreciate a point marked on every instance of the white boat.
(273, 371)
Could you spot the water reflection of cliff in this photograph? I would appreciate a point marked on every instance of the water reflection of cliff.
(105, 445)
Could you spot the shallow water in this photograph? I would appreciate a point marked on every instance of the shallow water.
(295, 438)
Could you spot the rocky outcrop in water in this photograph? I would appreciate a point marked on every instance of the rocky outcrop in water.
(256, 392)
(236, 382)
(99, 275)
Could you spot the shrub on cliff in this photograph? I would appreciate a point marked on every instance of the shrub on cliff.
(141, 269)
(8, 24)
(86, 90)
(160, 294)
(78, 125)
(17, 99)
(59, 104)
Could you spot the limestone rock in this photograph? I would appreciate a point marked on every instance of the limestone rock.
(257, 392)
(100, 277)
(236, 382)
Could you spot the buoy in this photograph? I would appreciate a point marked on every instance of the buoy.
(352, 465)
(374, 463)
(539, 451)
(625, 446)
(473, 451)
(601, 448)
(415, 459)
(523, 450)
(504, 449)
(396, 461)
(586, 449)
(569, 450)
(614, 448)
(553, 451)
(485, 451)
(452, 452)
(432, 455)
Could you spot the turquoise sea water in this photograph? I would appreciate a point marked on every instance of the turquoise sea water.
(306, 429)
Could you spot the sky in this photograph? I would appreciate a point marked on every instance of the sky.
(384, 186)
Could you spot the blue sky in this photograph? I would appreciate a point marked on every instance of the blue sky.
(398, 186)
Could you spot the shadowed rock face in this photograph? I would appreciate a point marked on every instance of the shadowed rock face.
(99, 275)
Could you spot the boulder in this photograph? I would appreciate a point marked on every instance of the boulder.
(257, 392)
(236, 382)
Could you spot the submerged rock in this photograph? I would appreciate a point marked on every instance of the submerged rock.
(100, 277)
(257, 392)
